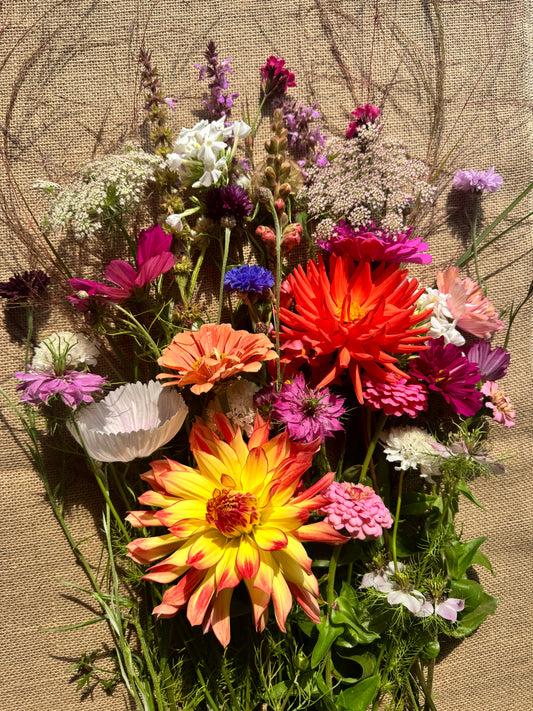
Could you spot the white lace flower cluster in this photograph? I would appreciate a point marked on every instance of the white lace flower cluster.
(411, 448)
(412, 599)
(441, 322)
(116, 183)
(201, 154)
(240, 396)
(64, 350)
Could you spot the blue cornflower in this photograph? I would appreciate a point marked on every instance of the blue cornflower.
(249, 279)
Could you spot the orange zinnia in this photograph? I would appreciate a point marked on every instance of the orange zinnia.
(240, 516)
(213, 353)
(353, 319)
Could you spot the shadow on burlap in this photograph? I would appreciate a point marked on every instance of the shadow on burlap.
(70, 92)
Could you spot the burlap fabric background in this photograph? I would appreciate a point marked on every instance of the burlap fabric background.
(69, 91)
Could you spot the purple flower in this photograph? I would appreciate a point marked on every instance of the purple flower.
(492, 364)
(219, 103)
(27, 285)
(376, 245)
(249, 279)
(297, 117)
(363, 115)
(230, 202)
(447, 371)
(307, 413)
(477, 181)
(276, 77)
(153, 258)
(73, 387)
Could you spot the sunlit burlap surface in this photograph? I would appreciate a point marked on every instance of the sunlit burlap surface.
(70, 91)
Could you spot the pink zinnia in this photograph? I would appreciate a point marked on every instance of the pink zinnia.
(395, 397)
(498, 403)
(468, 305)
(356, 509)
(153, 257)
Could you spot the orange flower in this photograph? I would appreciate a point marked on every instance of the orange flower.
(354, 319)
(240, 516)
(213, 353)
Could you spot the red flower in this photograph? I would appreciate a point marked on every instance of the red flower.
(353, 319)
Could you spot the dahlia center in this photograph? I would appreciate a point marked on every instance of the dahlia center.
(232, 512)
(349, 311)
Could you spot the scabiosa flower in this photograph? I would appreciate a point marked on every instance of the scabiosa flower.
(363, 115)
(468, 304)
(395, 397)
(249, 279)
(307, 413)
(276, 78)
(447, 371)
(352, 319)
(501, 407)
(375, 244)
(219, 103)
(356, 509)
(230, 204)
(64, 349)
(477, 181)
(492, 363)
(411, 448)
(236, 518)
(24, 286)
(72, 387)
(215, 352)
(132, 421)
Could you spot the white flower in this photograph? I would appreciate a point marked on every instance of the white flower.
(175, 222)
(441, 322)
(412, 600)
(412, 448)
(132, 421)
(241, 129)
(449, 608)
(65, 350)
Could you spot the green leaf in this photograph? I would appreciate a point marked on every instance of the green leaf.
(359, 696)
(366, 660)
(468, 590)
(463, 488)
(348, 610)
(481, 559)
(472, 620)
(416, 503)
(327, 634)
(460, 556)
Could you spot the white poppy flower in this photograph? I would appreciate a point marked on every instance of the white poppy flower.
(132, 421)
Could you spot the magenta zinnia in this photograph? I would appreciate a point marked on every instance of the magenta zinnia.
(353, 319)
(239, 516)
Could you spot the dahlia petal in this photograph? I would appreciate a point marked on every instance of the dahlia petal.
(139, 519)
(200, 599)
(207, 549)
(154, 498)
(248, 557)
(260, 600)
(264, 577)
(282, 599)
(287, 518)
(321, 533)
(186, 483)
(181, 510)
(307, 601)
(220, 616)
(146, 550)
(270, 539)
(226, 573)
(255, 471)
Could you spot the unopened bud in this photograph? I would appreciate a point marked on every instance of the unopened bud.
(261, 327)
(264, 195)
(280, 206)
(284, 190)
(228, 222)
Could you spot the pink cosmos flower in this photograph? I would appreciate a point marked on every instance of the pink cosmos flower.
(73, 387)
(498, 403)
(356, 508)
(395, 397)
(153, 257)
(467, 303)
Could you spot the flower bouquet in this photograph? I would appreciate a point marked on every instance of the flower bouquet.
(285, 417)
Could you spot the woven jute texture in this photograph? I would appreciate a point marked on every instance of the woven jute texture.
(70, 92)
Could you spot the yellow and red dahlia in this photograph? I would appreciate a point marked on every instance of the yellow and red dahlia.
(214, 352)
(239, 516)
(353, 318)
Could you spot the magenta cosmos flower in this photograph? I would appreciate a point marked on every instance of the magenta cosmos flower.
(376, 245)
(477, 181)
(73, 387)
(492, 363)
(356, 509)
(153, 258)
(395, 397)
(447, 371)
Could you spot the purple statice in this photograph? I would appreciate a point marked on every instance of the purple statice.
(28, 285)
(477, 181)
(230, 203)
(73, 387)
(492, 363)
(447, 371)
(276, 78)
(375, 244)
(363, 116)
(219, 102)
(297, 117)
(249, 279)
(306, 412)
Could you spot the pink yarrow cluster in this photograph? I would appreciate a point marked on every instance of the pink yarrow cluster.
(397, 397)
(356, 509)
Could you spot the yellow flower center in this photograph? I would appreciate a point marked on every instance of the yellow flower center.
(357, 494)
(215, 355)
(349, 311)
(232, 512)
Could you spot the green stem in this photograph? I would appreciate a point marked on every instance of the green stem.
(427, 693)
(118, 222)
(227, 233)
(29, 334)
(101, 478)
(194, 276)
(142, 331)
(330, 598)
(258, 114)
(371, 447)
(397, 521)
(429, 684)
(474, 237)
(147, 657)
(277, 287)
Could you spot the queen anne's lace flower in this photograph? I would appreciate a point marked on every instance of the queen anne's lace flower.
(240, 399)
(64, 349)
(356, 509)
